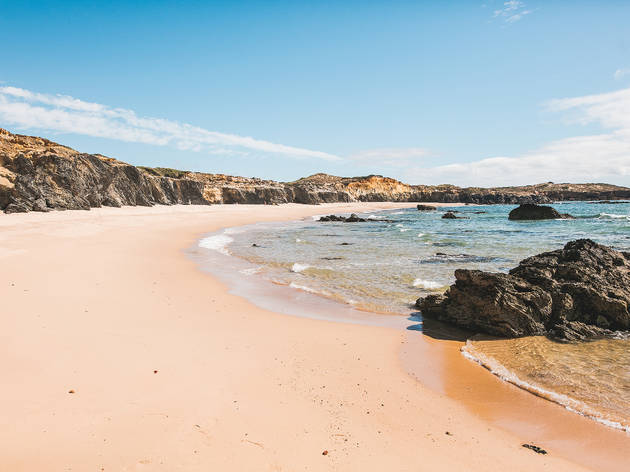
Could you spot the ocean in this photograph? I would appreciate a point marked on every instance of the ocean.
(385, 264)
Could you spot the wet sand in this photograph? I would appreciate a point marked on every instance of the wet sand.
(118, 353)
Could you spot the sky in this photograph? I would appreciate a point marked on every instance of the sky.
(485, 93)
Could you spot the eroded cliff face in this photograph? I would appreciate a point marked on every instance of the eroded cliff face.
(39, 175)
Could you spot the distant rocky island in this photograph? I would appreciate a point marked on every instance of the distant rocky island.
(39, 175)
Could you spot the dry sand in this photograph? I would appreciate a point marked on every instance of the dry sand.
(118, 354)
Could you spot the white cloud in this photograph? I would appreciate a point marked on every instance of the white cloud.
(396, 157)
(601, 157)
(621, 73)
(32, 110)
(512, 11)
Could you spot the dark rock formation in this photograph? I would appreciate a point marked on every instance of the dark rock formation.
(530, 211)
(40, 175)
(426, 208)
(581, 291)
(353, 218)
(450, 215)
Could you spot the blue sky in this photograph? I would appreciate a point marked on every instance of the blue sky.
(471, 93)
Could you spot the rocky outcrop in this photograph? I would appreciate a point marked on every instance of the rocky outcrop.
(426, 208)
(353, 218)
(531, 211)
(579, 292)
(39, 175)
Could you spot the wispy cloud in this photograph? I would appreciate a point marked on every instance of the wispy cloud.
(621, 73)
(395, 157)
(512, 11)
(61, 113)
(603, 157)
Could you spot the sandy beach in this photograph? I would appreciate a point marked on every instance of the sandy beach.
(119, 354)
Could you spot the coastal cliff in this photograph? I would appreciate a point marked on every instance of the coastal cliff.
(39, 175)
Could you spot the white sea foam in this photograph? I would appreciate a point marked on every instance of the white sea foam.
(613, 216)
(308, 289)
(404, 230)
(575, 406)
(298, 240)
(217, 242)
(234, 230)
(251, 270)
(299, 267)
(427, 284)
(399, 225)
(420, 235)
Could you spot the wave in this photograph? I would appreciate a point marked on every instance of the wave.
(427, 284)
(612, 216)
(217, 242)
(251, 270)
(575, 406)
(297, 268)
(308, 289)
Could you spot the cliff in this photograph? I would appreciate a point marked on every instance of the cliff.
(39, 175)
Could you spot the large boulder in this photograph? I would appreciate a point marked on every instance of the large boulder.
(579, 292)
(531, 211)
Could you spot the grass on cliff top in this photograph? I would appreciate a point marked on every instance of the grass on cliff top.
(164, 172)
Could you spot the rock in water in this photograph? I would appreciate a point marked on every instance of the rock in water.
(449, 215)
(579, 292)
(531, 211)
(426, 208)
(353, 218)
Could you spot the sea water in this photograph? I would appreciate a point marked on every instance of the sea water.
(386, 263)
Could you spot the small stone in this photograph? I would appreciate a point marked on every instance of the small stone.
(70, 391)
(325, 453)
(536, 449)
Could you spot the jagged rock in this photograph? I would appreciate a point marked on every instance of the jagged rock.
(530, 211)
(426, 208)
(353, 218)
(579, 292)
(40, 175)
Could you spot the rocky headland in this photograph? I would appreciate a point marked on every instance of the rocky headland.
(579, 292)
(39, 175)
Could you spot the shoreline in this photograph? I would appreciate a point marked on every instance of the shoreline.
(242, 388)
(566, 443)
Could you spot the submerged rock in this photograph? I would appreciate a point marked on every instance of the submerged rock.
(450, 215)
(579, 292)
(531, 211)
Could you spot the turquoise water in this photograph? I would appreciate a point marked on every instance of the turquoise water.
(384, 266)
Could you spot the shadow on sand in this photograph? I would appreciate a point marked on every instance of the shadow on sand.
(436, 329)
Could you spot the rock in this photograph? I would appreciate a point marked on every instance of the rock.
(426, 208)
(536, 449)
(353, 218)
(450, 215)
(530, 211)
(579, 292)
